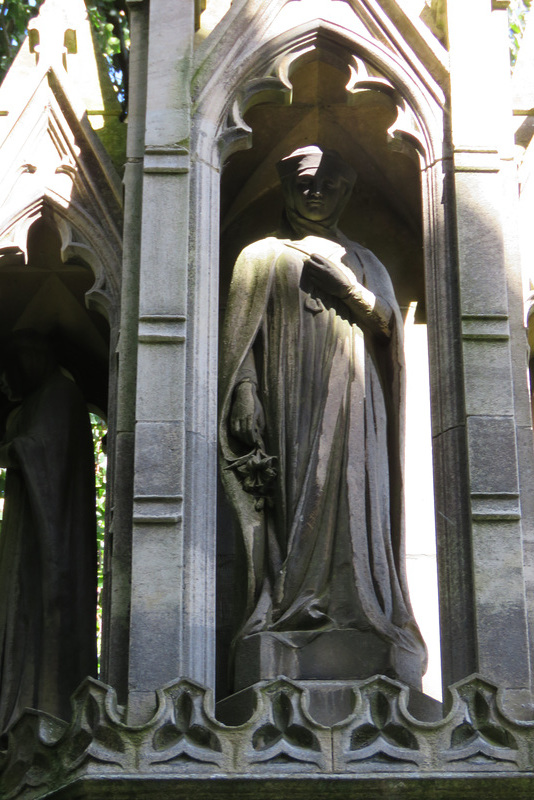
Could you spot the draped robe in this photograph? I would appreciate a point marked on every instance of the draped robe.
(47, 553)
(328, 552)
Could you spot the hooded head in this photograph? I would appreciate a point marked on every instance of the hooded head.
(317, 185)
(25, 361)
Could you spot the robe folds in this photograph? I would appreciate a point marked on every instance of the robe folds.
(47, 553)
(327, 551)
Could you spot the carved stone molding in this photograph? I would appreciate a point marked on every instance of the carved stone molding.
(275, 86)
(379, 739)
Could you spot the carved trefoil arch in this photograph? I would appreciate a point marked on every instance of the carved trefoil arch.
(416, 82)
(219, 130)
(61, 206)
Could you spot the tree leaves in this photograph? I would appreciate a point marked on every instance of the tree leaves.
(14, 18)
(517, 18)
(110, 24)
(99, 429)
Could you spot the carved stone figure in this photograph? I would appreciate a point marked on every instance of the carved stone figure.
(311, 439)
(48, 535)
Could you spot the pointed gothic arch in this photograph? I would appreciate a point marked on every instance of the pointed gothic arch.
(223, 97)
(60, 276)
(81, 239)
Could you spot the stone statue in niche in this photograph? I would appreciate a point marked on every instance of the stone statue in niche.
(48, 535)
(311, 440)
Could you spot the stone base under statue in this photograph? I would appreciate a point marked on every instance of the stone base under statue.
(325, 655)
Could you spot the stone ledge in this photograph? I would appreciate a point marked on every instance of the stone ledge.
(301, 787)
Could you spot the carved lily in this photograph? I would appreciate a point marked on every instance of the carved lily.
(257, 472)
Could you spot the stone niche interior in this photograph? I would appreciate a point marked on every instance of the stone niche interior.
(43, 292)
(384, 214)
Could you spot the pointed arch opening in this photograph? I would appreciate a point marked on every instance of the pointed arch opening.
(54, 282)
(224, 96)
(326, 93)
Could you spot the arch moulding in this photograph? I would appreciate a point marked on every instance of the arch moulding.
(219, 130)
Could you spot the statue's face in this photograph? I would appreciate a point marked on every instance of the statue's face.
(317, 194)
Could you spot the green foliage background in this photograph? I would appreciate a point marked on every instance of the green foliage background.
(517, 18)
(99, 429)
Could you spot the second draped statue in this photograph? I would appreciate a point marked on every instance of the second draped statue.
(311, 443)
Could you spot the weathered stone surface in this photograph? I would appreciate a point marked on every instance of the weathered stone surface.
(488, 376)
(327, 655)
(379, 740)
(492, 351)
(470, 786)
(327, 702)
(163, 625)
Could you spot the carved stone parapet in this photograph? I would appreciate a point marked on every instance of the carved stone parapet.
(380, 739)
(44, 753)
(281, 736)
(382, 735)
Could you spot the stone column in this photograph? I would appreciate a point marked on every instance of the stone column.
(120, 496)
(493, 347)
(161, 628)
